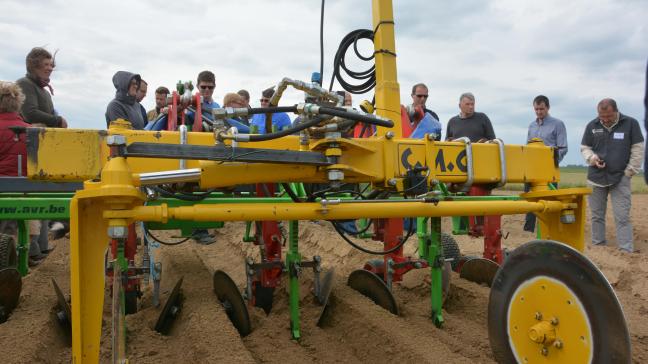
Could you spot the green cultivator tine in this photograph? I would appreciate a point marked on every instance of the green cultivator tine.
(430, 250)
(23, 247)
(293, 261)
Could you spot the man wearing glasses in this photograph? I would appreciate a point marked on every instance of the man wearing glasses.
(419, 97)
(280, 120)
(206, 83)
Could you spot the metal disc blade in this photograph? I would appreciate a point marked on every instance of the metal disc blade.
(63, 314)
(325, 292)
(551, 269)
(10, 287)
(479, 270)
(372, 286)
(170, 310)
(231, 299)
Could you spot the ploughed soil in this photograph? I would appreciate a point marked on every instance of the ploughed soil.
(356, 330)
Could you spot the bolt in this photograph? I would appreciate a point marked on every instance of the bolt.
(335, 175)
(117, 232)
(418, 265)
(392, 182)
(389, 135)
(538, 316)
(431, 137)
(544, 351)
(114, 140)
(558, 344)
(554, 321)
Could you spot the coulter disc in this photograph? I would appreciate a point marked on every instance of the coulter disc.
(479, 270)
(10, 287)
(548, 302)
(325, 291)
(63, 314)
(374, 287)
(231, 299)
(171, 310)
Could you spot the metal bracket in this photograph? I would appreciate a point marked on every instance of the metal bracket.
(469, 164)
(502, 157)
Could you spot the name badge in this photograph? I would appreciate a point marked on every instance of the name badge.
(618, 135)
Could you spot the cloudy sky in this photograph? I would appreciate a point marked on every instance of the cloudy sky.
(505, 52)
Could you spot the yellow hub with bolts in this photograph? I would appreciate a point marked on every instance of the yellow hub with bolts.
(547, 322)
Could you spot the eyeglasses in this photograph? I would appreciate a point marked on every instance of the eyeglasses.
(423, 96)
(264, 100)
(204, 87)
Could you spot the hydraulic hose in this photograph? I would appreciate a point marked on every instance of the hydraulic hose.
(263, 137)
(356, 117)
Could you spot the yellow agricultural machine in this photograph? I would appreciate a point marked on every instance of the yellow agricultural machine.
(548, 302)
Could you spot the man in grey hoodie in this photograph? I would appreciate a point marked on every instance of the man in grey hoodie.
(125, 105)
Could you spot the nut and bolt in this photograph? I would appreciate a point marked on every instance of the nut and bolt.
(117, 232)
(558, 344)
(544, 351)
(389, 135)
(335, 175)
(554, 321)
(538, 316)
(392, 182)
(114, 140)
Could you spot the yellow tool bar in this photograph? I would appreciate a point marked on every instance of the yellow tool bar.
(333, 210)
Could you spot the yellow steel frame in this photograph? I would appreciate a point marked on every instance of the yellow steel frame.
(113, 200)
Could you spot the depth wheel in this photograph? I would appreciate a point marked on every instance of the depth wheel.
(450, 249)
(232, 301)
(10, 287)
(8, 255)
(548, 302)
(373, 287)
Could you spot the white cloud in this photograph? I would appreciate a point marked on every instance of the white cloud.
(504, 51)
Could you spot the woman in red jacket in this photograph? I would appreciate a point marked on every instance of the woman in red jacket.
(13, 159)
(11, 147)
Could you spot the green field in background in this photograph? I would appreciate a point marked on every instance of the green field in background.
(574, 176)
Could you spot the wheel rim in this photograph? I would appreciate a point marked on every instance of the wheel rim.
(546, 320)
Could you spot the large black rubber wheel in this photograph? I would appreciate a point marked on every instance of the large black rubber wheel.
(450, 249)
(8, 255)
(548, 302)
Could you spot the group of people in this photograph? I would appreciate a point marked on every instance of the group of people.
(612, 143)
(28, 103)
(131, 90)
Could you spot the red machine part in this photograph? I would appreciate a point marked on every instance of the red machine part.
(269, 235)
(172, 119)
(390, 232)
(130, 249)
(197, 125)
(489, 227)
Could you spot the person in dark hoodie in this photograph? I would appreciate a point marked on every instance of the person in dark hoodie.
(125, 105)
